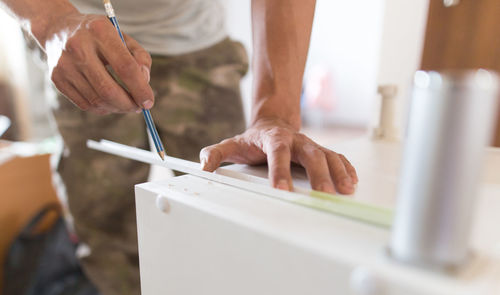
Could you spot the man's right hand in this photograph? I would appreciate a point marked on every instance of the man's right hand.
(79, 47)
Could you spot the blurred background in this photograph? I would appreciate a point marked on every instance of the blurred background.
(356, 47)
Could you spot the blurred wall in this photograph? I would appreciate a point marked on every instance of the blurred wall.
(404, 25)
(362, 43)
(238, 25)
(345, 41)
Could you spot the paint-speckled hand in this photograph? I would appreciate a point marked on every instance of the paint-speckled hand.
(280, 144)
(79, 48)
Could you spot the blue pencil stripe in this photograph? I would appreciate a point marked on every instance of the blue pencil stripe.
(155, 132)
(160, 145)
(114, 21)
(147, 118)
(146, 113)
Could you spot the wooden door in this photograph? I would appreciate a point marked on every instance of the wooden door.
(463, 36)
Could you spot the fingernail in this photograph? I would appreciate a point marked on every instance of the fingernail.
(283, 185)
(203, 163)
(145, 71)
(148, 104)
(347, 181)
(138, 111)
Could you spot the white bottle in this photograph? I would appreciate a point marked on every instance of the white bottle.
(451, 120)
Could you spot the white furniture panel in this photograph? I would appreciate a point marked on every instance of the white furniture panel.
(201, 237)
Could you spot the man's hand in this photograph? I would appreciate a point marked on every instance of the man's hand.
(281, 31)
(280, 144)
(79, 47)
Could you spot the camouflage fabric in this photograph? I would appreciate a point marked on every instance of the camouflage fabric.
(197, 104)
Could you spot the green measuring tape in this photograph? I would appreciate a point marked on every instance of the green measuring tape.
(350, 208)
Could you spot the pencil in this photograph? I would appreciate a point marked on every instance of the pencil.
(146, 113)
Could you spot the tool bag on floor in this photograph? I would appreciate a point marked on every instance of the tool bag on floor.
(44, 263)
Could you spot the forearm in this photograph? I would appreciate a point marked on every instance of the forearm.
(281, 33)
(35, 15)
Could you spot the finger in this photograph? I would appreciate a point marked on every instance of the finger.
(78, 81)
(350, 169)
(342, 181)
(106, 89)
(99, 111)
(85, 71)
(78, 100)
(98, 105)
(128, 70)
(313, 159)
(278, 161)
(76, 89)
(73, 95)
(142, 57)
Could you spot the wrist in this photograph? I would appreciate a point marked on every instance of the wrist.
(276, 98)
(277, 112)
(42, 26)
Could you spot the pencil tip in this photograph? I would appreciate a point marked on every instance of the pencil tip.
(162, 155)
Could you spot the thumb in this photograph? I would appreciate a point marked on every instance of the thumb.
(212, 156)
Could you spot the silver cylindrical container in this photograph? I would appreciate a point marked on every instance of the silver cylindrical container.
(451, 120)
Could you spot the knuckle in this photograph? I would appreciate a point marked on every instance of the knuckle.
(226, 141)
(105, 92)
(313, 152)
(301, 137)
(98, 27)
(279, 147)
(126, 69)
(62, 68)
(334, 156)
(56, 76)
(74, 47)
(308, 153)
(240, 140)
(277, 132)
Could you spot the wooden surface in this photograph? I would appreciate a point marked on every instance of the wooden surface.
(202, 237)
(465, 36)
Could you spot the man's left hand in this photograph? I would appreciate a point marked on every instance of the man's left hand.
(280, 144)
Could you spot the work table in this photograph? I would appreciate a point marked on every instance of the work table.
(201, 237)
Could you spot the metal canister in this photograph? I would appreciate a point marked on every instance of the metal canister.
(451, 121)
